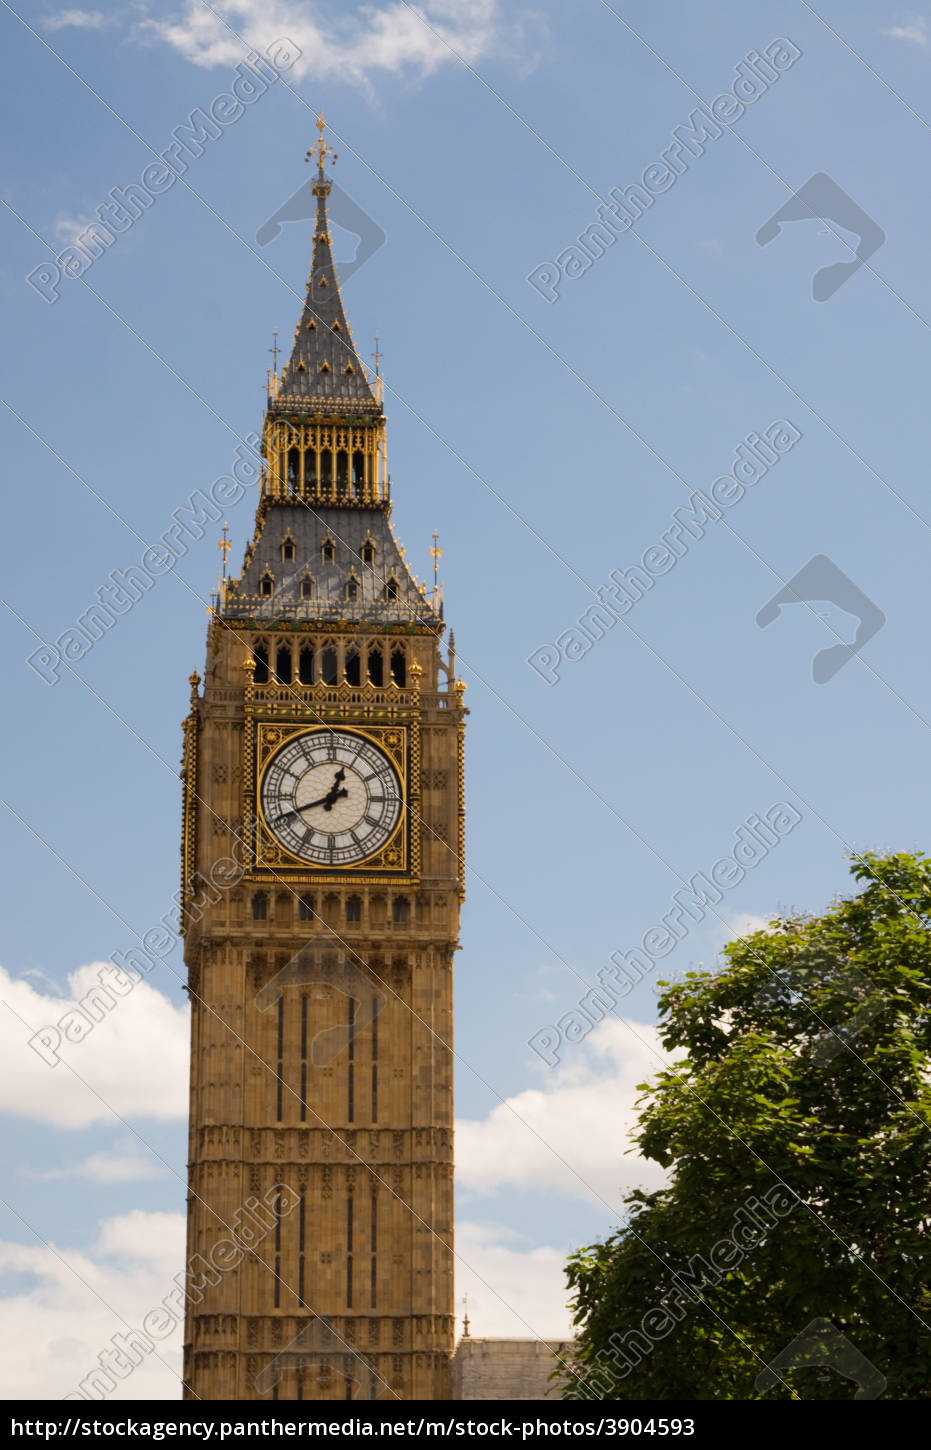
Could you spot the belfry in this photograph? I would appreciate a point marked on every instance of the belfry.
(322, 876)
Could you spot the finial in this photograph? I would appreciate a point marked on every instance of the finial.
(436, 553)
(273, 379)
(225, 545)
(465, 1318)
(319, 151)
(379, 380)
(194, 681)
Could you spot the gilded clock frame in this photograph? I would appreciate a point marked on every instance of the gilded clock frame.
(398, 859)
(391, 740)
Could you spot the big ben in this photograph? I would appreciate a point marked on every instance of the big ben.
(322, 876)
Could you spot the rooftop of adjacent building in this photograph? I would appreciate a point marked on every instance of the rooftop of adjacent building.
(504, 1368)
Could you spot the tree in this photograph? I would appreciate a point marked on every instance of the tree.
(795, 1129)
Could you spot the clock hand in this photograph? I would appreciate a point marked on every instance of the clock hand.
(297, 810)
(328, 801)
(335, 792)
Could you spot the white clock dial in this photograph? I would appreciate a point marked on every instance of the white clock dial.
(331, 797)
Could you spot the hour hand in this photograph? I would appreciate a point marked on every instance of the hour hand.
(336, 792)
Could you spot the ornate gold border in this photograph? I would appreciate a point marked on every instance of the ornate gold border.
(398, 859)
(390, 740)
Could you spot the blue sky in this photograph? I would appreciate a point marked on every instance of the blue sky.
(550, 443)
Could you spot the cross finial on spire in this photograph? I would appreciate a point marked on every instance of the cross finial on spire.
(320, 150)
(225, 544)
(436, 554)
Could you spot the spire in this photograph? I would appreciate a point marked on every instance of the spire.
(324, 371)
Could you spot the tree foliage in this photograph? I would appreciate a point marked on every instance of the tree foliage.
(800, 1084)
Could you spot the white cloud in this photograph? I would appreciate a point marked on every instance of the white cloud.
(127, 1163)
(572, 1134)
(61, 1324)
(134, 1059)
(747, 924)
(915, 33)
(528, 1291)
(356, 47)
(68, 228)
(77, 20)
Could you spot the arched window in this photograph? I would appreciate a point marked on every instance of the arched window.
(259, 906)
(310, 469)
(376, 667)
(326, 467)
(352, 588)
(342, 471)
(328, 667)
(353, 667)
(400, 911)
(354, 908)
(305, 666)
(305, 908)
(283, 665)
(391, 588)
(358, 467)
(260, 675)
(294, 470)
(266, 586)
(307, 588)
(287, 551)
(368, 553)
(328, 552)
(399, 668)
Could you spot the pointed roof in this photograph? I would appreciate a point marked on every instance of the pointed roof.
(385, 590)
(324, 370)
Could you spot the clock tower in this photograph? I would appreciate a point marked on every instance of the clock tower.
(322, 875)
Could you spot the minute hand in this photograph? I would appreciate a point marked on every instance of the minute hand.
(297, 810)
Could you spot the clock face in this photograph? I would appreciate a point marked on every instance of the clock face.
(331, 797)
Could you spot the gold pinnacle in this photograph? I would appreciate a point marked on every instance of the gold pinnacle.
(319, 151)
